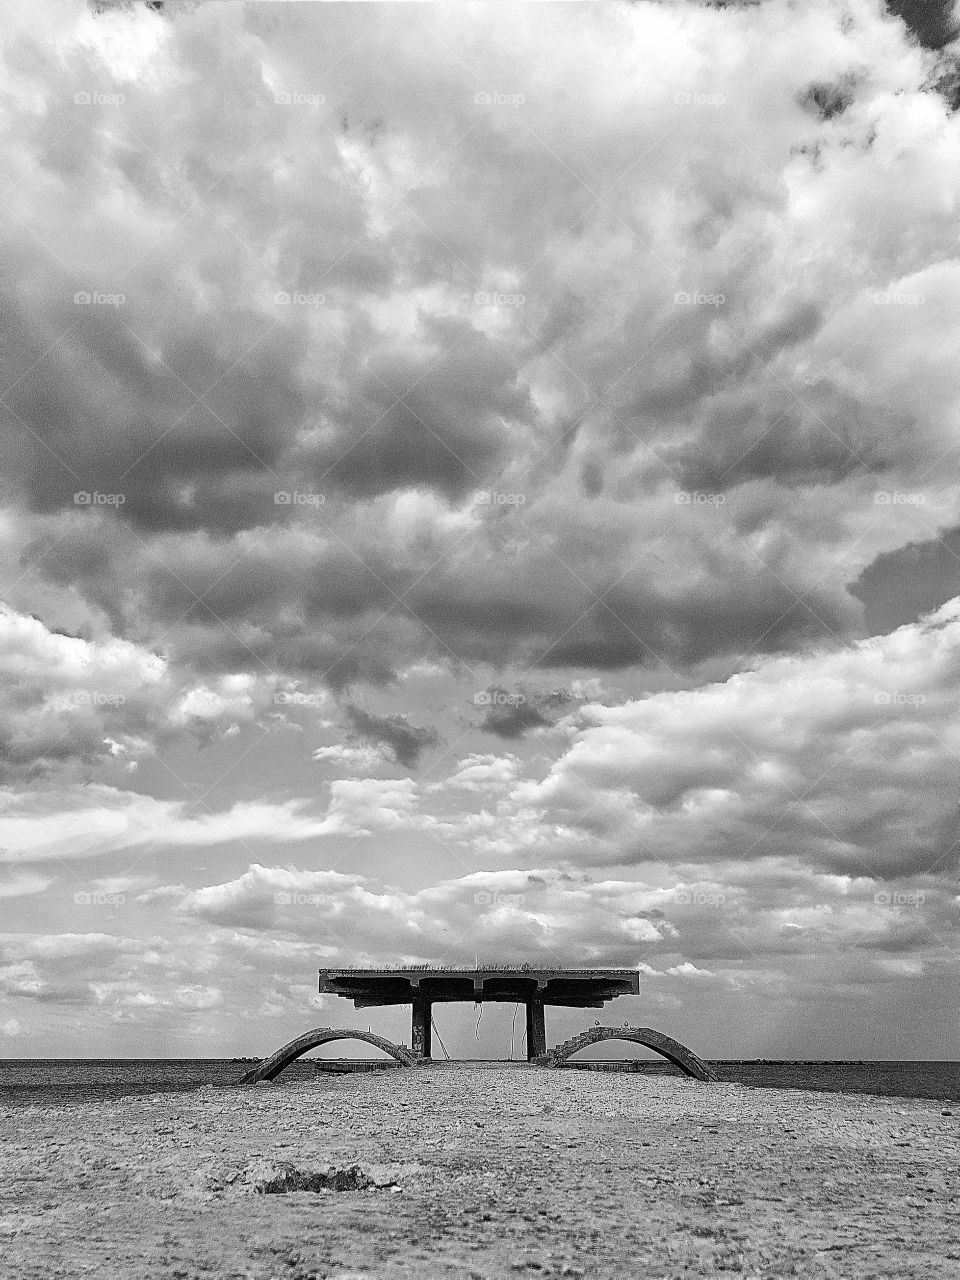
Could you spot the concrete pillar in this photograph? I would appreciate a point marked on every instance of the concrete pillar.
(536, 1030)
(420, 1036)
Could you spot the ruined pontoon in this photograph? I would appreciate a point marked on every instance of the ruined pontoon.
(422, 987)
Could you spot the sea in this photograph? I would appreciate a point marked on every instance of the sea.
(42, 1081)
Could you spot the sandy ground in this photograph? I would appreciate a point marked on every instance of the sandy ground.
(482, 1172)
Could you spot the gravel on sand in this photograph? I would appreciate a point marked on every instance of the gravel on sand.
(481, 1172)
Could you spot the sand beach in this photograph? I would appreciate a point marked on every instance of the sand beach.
(481, 1172)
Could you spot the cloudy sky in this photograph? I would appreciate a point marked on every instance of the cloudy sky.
(479, 479)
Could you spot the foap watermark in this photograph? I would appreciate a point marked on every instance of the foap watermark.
(683, 99)
(297, 898)
(94, 98)
(87, 698)
(95, 298)
(893, 298)
(98, 898)
(696, 298)
(699, 897)
(493, 298)
(494, 898)
(898, 698)
(497, 98)
(697, 498)
(93, 498)
(897, 498)
(295, 698)
(900, 898)
(299, 299)
(296, 99)
(293, 498)
(497, 698)
(493, 498)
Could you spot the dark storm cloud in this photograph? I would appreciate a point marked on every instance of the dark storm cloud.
(472, 318)
(823, 440)
(899, 586)
(439, 420)
(511, 713)
(550, 618)
(388, 368)
(349, 607)
(298, 602)
(933, 22)
(254, 578)
(198, 425)
(690, 370)
(131, 427)
(509, 718)
(405, 741)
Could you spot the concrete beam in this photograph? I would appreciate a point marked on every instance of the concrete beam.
(572, 987)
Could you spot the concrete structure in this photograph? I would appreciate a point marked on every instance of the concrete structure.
(272, 1066)
(678, 1054)
(423, 986)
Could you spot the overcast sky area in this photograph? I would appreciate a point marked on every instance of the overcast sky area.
(480, 480)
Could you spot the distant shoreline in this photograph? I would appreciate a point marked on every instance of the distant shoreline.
(48, 1081)
(810, 1062)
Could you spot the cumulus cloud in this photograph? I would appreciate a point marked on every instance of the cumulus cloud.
(734, 931)
(359, 808)
(404, 742)
(481, 772)
(688, 970)
(86, 699)
(355, 759)
(479, 321)
(594, 398)
(843, 758)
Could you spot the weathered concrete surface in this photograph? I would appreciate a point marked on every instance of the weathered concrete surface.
(502, 1172)
(536, 1030)
(679, 1054)
(421, 1027)
(422, 986)
(398, 984)
(271, 1067)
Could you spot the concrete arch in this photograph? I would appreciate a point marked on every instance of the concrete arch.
(272, 1066)
(678, 1054)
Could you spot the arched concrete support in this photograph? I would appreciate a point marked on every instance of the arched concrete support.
(272, 1066)
(678, 1054)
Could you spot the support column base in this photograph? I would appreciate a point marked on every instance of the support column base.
(536, 1030)
(420, 1039)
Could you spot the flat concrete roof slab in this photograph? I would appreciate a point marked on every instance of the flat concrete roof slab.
(575, 988)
